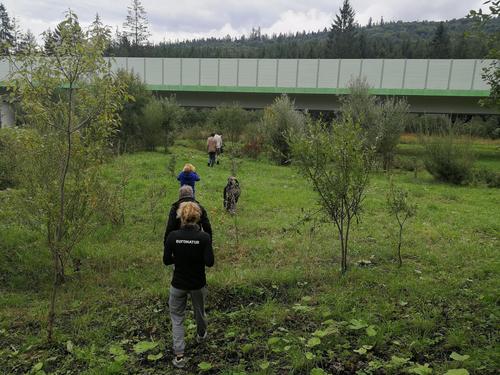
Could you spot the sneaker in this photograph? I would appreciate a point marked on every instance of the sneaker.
(200, 339)
(179, 361)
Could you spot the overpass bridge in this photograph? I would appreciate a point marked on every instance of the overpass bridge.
(429, 85)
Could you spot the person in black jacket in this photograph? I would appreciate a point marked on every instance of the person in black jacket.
(190, 250)
(174, 223)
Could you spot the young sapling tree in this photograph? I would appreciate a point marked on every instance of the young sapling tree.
(71, 101)
(401, 207)
(334, 159)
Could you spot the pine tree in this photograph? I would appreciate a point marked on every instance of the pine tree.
(57, 37)
(136, 25)
(16, 34)
(27, 43)
(440, 47)
(6, 30)
(460, 49)
(342, 34)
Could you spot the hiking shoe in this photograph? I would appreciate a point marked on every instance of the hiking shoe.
(179, 361)
(200, 339)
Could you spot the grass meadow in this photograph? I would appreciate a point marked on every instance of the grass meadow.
(277, 303)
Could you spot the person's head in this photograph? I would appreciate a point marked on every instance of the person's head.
(189, 213)
(186, 191)
(188, 167)
(212, 134)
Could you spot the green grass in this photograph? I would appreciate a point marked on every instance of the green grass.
(275, 288)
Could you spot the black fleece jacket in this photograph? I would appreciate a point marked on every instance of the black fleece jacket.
(190, 250)
(174, 223)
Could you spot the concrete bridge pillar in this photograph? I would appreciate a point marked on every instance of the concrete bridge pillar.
(7, 117)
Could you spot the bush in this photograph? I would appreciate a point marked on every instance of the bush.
(486, 176)
(128, 137)
(281, 119)
(230, 122)
(382, 122)
(392, 118)
(7, 164)
(448, 158)
(363, 108)
(159, 123)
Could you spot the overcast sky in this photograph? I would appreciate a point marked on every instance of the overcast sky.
(188, 19)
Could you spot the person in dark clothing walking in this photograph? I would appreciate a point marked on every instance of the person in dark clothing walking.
(174, 222)
(190, 250)
(188, 176)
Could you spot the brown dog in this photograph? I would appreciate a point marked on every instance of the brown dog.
(231, 194)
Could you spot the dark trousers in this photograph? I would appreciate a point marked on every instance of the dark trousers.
(211, 159)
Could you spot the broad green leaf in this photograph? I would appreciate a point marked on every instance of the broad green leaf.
(363, 349)
(264, 365)
(318, 371)
(458, 371)
(320, 333)
(37, 367)
(69, 346)
(421, 370)
(459, 357)
(230, 334)
(144, 346)
(370, 331)
(273, 341)
(287, 348)
(301, 308)
(154, 357)
(313, 341)
(357, 324)
(399, 361)
(116, 350)
(121, 358)
(204, 366)
(306, 298)
(309, 355)
(246, 348)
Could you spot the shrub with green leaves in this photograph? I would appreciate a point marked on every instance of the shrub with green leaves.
(7, 163)
(448, 158)
(392, 118)
(382, 122)
(281, 119)
(128, 138)
(159, 123)
(401, 207)
(334, 159)
(230, 121)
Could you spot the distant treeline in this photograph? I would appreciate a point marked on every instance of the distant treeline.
(418, 39)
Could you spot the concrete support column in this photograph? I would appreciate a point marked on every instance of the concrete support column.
(7, 117)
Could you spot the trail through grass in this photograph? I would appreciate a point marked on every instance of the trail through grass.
(277, 303)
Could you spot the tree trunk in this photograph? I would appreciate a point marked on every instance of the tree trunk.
(55, 285)
(400, 260)
(342, 250)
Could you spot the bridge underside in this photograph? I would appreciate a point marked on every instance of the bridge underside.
(326, 102)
